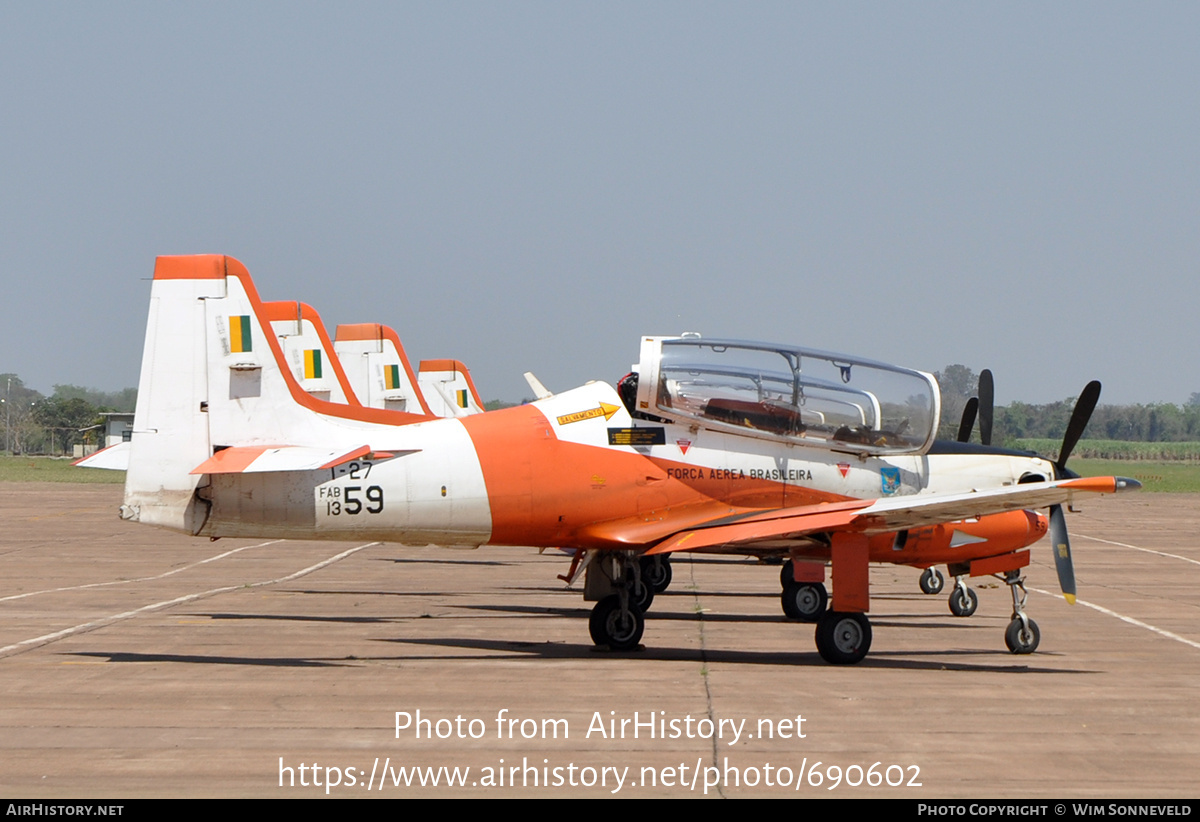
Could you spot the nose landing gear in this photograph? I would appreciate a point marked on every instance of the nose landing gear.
(1022, 635)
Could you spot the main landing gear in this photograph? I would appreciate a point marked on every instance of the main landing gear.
(804, 601)
(932, 581)
(656, 572)
(617, 623)
(843, 638)
(618, 618)
(1022, 635)
(963, 601)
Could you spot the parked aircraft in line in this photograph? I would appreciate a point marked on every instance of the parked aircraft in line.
(710, 445)
(366, 365)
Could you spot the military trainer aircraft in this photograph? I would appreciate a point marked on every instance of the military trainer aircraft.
(708, 445)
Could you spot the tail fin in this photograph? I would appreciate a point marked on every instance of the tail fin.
(449, 389)
(214, 376)
(379, 371)
(308, 351)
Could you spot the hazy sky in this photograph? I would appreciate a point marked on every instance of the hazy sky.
(531, 186)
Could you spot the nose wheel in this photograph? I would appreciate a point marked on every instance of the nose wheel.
(1022, 635)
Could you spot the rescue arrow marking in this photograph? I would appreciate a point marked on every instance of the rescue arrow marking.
(604, 410)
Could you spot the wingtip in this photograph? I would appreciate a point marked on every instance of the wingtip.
(1127, 484)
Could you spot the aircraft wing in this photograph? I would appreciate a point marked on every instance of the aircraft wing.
(894, 514)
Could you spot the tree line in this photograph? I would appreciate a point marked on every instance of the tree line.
(1154, 422)
(36, 424)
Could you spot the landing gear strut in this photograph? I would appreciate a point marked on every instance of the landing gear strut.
(618, 619)
(1022, 635)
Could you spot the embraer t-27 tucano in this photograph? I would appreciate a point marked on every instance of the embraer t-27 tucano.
(709, 445)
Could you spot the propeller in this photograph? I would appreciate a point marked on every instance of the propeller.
(1059, 540)
(983, 406)
(1084, 407)
(987, 406)
(968, 419)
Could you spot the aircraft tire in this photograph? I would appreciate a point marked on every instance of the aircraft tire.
(843, 638)
(786, 574)
(804, 601)
(656, 571)
(932, 581)
(1021, 641)
(963, 604)
(619, 630)
(642, 596)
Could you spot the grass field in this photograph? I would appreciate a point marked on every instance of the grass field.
(1117, 450)
(53, 469)
(1165, 477)
(1176, 477)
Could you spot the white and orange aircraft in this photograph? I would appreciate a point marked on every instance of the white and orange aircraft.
(709, 445)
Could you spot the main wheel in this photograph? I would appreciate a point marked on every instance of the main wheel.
(843, 638)
(786, 574)
(932, 581)
(619, 630)
(963, 602)
(1020, 640)
(642, 596)
(656, 572)
(804, 601)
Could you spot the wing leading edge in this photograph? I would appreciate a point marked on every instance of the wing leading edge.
(879, 516)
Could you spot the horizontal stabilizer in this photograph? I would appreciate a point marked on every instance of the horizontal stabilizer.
(249, 459)
(112, 458)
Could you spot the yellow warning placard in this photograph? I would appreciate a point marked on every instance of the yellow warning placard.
(603, 410)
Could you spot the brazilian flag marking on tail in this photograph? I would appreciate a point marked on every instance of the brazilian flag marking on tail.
(240, 339)
(312, 364)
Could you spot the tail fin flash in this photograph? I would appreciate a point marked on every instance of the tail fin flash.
(309, 353)
(449, 389)
(378, 368)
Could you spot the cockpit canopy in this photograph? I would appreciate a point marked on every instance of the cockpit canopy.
(779, 392)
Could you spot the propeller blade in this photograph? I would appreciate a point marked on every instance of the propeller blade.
(968, 420)
(987, 406)
(1061, 545)
(1084, 407)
